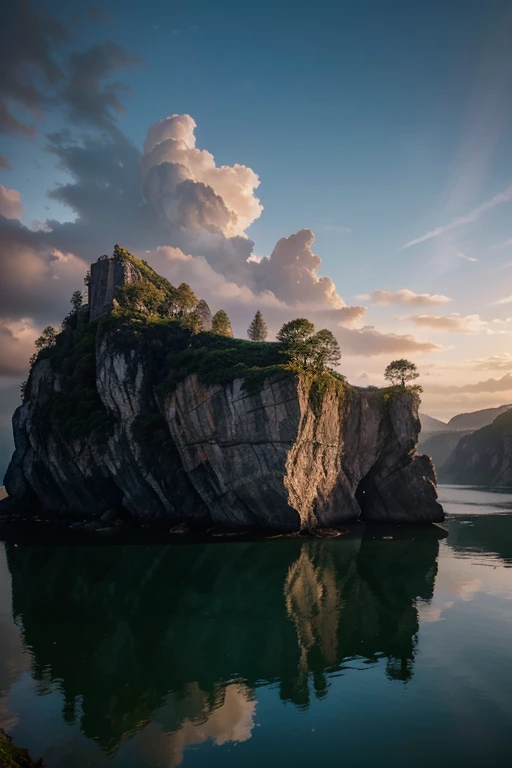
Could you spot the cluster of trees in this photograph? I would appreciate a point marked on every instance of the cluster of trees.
(308, 348)
(301, 343)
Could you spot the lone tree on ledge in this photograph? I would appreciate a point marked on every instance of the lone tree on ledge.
(306, 348)
(257, 330)
(399, 372)
(221, 324)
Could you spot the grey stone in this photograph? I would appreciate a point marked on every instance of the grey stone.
(275, 460)
(110, 517)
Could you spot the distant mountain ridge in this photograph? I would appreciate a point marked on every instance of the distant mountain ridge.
(483, 457)
(463, 421)
(477, 419)
(442, 441)
(429, 424)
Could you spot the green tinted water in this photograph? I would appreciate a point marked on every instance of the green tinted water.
(360, 651)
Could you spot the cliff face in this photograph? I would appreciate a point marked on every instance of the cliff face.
(484, 457)
(279, 456)
(106, 276)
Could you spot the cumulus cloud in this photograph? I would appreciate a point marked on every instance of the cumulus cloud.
(473, 215)
(404, 296)
(170, 146)
(188, 203)
(11, 206)
(456, 323)
(504, 300)
(4, 163)
(28, 64)
(291, 271)
(173, 201)
(240, 301)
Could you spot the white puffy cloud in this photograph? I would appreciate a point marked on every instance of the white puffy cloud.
(240, 302)
(11, 206)
(170, 146)
(404, 296)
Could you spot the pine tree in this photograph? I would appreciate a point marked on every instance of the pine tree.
(204, 314)
(221, 324)
(257, 330)
(76, 301)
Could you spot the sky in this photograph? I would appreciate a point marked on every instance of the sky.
(350, 162)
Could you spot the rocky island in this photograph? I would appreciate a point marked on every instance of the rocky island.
(137, 407)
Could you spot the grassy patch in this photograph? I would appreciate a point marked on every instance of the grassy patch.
(220, 359)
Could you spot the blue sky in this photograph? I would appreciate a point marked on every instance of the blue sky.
(370, 123)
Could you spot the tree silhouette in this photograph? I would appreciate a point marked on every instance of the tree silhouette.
(398, 372)
(257, 330)
(76, 301)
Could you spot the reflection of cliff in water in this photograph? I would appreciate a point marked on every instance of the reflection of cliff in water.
(126, 631)
(471, 534)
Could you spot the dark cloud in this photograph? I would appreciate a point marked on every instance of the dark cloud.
(98, 14)
(4, 163)
(17, 344)
(37, 279)
(29, 42)
(87, 98)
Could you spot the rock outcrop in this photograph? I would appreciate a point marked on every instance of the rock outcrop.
(106, 276)
(279, 458)
(117, 415)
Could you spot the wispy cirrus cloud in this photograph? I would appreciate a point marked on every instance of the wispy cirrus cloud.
(473, 215)
(468, 258)
(337, 228)
(504, 300)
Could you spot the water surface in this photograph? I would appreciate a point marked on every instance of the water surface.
(361, 651)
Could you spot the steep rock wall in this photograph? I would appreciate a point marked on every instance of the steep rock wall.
(286, 458)
(282, 456)
(484, 457)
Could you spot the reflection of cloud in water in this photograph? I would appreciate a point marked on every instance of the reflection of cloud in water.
(429, 612)
(13, 660)
(231, 719)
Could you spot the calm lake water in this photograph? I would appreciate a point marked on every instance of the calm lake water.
(360, 651)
